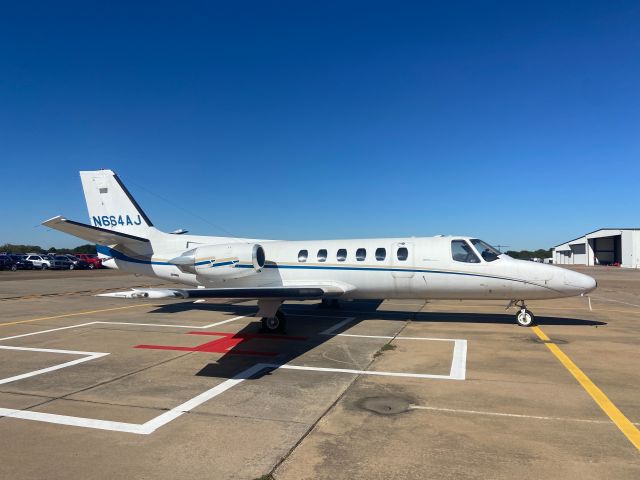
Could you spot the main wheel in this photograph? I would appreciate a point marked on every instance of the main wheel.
(72, 266)
(275, 324)
(14, 268)
(44, 266)
(525, 318)
(91, 266)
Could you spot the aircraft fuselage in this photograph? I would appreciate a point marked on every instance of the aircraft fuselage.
(406, 268)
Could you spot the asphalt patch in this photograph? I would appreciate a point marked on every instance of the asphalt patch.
(386, 405)
(557, 341)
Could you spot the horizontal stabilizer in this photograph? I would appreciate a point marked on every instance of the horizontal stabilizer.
(101, 236)
(284, 293)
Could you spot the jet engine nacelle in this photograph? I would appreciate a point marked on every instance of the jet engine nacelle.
(226, 261)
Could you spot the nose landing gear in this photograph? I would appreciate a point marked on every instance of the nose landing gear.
(524, 316)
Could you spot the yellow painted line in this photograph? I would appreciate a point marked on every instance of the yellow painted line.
(75, 314)
(623, 423)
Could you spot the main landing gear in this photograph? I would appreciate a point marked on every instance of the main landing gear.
(275, 324)
(524, 317)
(273, 319)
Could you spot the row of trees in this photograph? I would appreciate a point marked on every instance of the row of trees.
(11, 248)
(528, 254)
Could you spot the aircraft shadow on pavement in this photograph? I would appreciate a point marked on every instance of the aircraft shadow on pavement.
(499, 318)
(302, 337)
(210, 307)
(189, 305)
(368, 309)
(306, 322)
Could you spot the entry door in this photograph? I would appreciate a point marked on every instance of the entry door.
(407, 264)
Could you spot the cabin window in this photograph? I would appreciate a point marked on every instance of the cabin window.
(403, 254)
(381, 254)
(322, 255)
(461, 251)
(361, 254)
(485, 250)
(342, 255)
(302, 255)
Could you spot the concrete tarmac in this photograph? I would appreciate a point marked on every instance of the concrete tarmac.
(94, 387)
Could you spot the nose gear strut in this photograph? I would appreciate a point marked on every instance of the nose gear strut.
(524, 316)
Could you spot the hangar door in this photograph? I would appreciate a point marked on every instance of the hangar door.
(607, 250)
(579, 253)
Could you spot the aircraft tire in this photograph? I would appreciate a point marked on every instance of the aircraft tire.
(275, 324)
(525, 318)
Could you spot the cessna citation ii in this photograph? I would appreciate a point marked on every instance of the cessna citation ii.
(274, 271)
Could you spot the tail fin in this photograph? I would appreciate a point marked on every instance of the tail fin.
(111, 206)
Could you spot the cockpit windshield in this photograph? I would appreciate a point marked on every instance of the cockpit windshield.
(486, 251)
(461, 251)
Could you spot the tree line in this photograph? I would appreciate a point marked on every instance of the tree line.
(528, 254)
(11, 248)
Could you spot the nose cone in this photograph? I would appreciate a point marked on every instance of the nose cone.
(579, 281)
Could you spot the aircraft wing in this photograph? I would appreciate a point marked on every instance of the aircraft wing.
(101, 236)
(282, 293)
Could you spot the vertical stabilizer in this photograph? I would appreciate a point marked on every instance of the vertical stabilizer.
(111, 206)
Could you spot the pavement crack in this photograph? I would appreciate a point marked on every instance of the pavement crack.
(248, 417)
(10, 392)
(332, 406)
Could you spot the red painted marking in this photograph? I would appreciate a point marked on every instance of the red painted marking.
(249, 336)
(226, 344)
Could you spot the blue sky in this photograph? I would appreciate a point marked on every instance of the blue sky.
(515, 122)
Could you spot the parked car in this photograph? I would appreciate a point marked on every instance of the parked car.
(61, 262)
(39, 261)
(45, 261)
(21, 262)
(91, 258)
(6, 263)
(76, 263)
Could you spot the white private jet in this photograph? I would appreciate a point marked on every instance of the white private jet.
(274, 271)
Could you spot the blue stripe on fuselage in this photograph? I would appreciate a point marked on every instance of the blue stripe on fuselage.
(381, 269)
(121, 256)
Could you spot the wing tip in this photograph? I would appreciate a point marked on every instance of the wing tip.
(54, 220)
(155, 293)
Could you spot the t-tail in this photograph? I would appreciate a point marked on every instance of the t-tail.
(111, 206)
(116, 221)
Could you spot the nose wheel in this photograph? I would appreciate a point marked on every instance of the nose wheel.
(275, 324)
(525, 318)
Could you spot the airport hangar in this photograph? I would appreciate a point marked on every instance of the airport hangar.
(605, 246)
